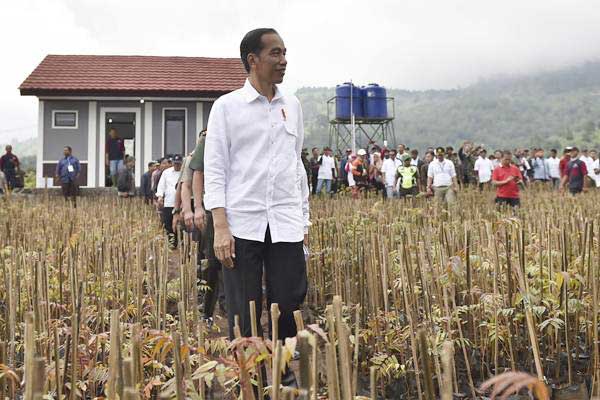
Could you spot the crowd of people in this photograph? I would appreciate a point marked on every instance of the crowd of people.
(442, 171)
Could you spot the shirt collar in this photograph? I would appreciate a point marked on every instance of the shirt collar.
(251, 94)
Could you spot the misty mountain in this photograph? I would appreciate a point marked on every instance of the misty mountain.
(549, 109)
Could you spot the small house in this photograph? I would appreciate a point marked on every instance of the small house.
(157, 105)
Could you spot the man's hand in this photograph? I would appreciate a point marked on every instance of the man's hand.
(176, 218)
(200, 218)
(161, 202)
(188, 219)
(306, 239)
(224, 246)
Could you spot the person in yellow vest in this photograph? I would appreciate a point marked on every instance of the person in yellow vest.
(407, 178)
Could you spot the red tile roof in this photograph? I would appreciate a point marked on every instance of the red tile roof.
(134, 75)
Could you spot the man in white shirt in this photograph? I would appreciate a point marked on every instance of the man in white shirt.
(256, 188)
(165, 193)
(585, 157)
(594, 168)
(326, 171)
(441, 178)
(554, 169)
(389, 174)
(483, 167)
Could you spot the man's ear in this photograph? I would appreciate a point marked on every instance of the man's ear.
(252, 59)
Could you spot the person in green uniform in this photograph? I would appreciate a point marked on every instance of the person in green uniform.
(407, 178)
(195, 216)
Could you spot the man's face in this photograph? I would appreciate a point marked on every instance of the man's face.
(440, 156)
(498, 155)
(8, 149)
(540, 153)
(483, 154)
(414, 155)
(315, 152)
(177, 166)
(152, 168)
(113, 133)
(66, 152)
(449, 152)
(401, 149)
(164, 164)
(328, 153)
(270, 63)
(574, 153)
(428, 157)
(506, 159)
(593, 154)
(553, 154)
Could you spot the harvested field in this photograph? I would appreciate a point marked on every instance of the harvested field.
(434, 302)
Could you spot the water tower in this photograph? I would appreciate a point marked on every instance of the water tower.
(363, 113)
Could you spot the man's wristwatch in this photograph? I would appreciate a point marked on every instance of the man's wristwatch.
(176, 211)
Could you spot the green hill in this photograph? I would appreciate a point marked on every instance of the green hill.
(548, 109)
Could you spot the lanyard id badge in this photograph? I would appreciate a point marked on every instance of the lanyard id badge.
(70, 168)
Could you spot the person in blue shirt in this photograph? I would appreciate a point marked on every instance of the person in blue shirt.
(67, 172)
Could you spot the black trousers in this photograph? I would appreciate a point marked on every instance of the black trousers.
(314, 180)
(286, 279)
(167, 219)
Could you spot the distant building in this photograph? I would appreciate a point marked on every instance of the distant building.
(157, 104)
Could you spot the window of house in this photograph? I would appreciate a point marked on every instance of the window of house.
(174, 131)
(65, 119)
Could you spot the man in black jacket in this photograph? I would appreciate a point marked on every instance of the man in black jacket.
(146, 187)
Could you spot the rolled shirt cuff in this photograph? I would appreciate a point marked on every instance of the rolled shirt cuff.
(212, 201)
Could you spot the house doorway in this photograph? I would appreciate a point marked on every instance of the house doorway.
(128, 122)
(124, 124)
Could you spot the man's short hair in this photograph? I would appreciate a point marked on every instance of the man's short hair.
(575, 148)
(151, 164)
(314, 148)
(553, 151)
(506, 153)
(449, 148)
(69, 147)
(252, 43)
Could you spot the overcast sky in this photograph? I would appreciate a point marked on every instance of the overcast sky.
(418, 44)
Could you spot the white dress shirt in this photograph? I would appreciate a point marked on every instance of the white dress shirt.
(484, 168)
(253, 166)
(167, 186)
(441, 172)
(326, 167)
(553, 167)
(389, 171)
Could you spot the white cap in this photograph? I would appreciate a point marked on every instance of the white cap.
(362, 152)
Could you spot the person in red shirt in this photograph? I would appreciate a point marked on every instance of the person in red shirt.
(574, 176)
(506, 179)
(564, 161)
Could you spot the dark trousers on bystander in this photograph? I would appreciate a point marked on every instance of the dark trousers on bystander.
(285, 270)
(167, 219)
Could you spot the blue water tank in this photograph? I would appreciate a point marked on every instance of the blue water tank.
(342, 101)
(375, 102)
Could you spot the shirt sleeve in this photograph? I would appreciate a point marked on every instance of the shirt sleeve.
(162, 185)
(430, 170)
(452, 170)
(300, 173)
(584, 170)
(217, 158)
(187, 173)
(197, 161)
